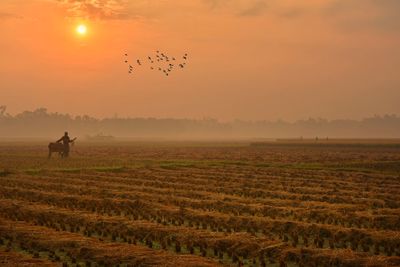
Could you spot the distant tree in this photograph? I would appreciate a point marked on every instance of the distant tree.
(42, 123)
(3, 110)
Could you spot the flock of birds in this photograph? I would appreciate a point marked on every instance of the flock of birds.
(160, 62)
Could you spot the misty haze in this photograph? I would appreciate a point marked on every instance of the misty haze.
(41, 123)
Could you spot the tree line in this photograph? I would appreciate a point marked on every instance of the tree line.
(42, 123)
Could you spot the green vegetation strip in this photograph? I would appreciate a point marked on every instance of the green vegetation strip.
(392, 167)
(4, 173)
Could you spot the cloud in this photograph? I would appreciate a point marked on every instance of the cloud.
(213, 4)
(351, 14)
(242, 8)
(5, 15)
(255, 9)
(291, 13)
(98, 9)
(366, 14)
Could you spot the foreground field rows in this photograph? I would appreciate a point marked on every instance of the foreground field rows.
(187, 214)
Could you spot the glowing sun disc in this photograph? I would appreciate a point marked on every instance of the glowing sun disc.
(81, 29)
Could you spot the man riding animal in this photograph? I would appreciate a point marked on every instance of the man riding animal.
(61, 146)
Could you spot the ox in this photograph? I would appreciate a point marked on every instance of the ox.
(60, 148)
(56, 148)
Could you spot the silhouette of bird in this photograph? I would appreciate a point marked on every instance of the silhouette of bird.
(155, 61)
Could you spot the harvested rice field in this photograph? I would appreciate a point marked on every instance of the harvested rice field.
(201, 204)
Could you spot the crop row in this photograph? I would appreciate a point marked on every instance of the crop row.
(269, 185)
(88, 251)
(177, 238)
(383, 242)
(74, 248)
(323, 216)
(269, 197)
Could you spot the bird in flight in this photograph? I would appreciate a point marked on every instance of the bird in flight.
(161, 61)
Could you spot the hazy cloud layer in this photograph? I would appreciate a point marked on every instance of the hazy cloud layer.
(98, 9)
(361, 14)
(5, 15)
(249, 59)
(354, 13)
(242, 8)
(255, 9)
(351, 13)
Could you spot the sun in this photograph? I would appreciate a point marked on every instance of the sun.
(81, 29)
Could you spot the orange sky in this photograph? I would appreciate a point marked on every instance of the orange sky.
(248, 59)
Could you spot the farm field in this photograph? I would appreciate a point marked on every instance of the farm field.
(201, 204)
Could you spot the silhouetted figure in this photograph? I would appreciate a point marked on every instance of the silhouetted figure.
(65, 140)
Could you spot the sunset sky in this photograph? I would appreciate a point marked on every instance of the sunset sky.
(248, 59)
